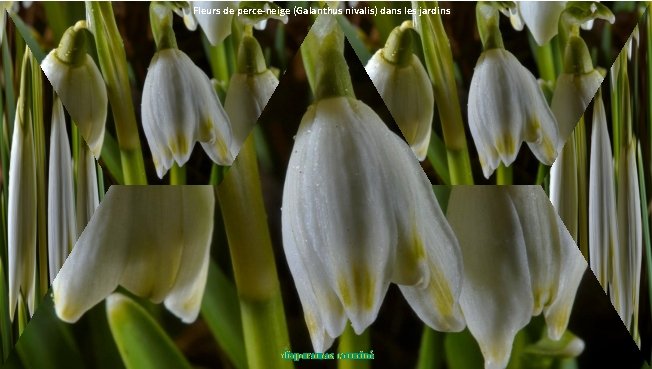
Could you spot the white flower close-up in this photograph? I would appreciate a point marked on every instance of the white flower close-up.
(179, 108)
(79, 84)
(152, 240)
(506, 107)
(359, 213)
(535, 265)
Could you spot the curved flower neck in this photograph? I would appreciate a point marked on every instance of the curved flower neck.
(72, 47)
(577, 59)
(398, 48)
(333, 77)
(250, 57)
(160, 18)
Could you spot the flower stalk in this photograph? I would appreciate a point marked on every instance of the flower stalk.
(263, 318)
(113, 63)
(439, 63)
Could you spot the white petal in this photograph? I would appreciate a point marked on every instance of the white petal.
(542, 18)
(497, 294)
(541, 233)
(140, 239)
(215, 27)
(323, 312)
(245, 100)
(198, 205)
(603, 229)
(3, 19)
(407, 92)
(428, 262)
(572, 96)
(571, 265)
(563, 186)
(93, 268)
(83, 93)
(507, 107)
(628, 256)
(21, 215)
(62, 229)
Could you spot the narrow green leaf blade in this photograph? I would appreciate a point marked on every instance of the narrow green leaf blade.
(142, 343)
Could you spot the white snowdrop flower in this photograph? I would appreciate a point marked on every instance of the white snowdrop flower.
(359, 213)
(506, 107)
(535, 266)
(603, 226)
(541, 18)
(249, 91)
(152, 240)
(626, 261)
(79, 83)
(404, 85)
(62, 231)
(179, 108)
(21, 210)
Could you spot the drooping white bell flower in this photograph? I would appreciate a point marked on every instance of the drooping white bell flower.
(249, 91)
(506, 107)
(535, 266)
(603, 226)
(152, 240)
(179, 108)
(404, 85)
(359, 213)
(21, 211)
(62, 231)
(541, 18)
(79, 83)
(626, 261)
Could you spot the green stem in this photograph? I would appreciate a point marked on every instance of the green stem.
(504, 175)
(39, 142)
(177, 175)
(254, 267)
(545, 60)
(439, 62)
(352, 343)
(431, 352)
(113, 62)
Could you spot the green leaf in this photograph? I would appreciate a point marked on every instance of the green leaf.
(142, 343)
(221, 311)
(437, 158)
(110, 158)
(27, 34)
(431, 352)
(46, 343)
(352, 34)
